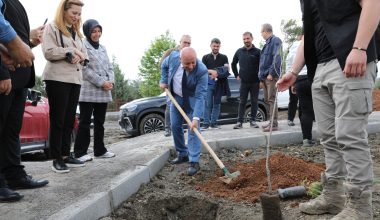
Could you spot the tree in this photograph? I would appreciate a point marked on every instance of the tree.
(40, 85)
(120, 90)
(291, 31)
(150, 64)
(124, 89)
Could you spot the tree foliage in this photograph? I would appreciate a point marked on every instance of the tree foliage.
(120, 89)
(150, 64)
(291, 31)
(40, 85)
(124, 90)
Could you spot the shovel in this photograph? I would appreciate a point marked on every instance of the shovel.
(228, 177)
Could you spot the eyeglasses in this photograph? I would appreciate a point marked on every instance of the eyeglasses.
(186, 42)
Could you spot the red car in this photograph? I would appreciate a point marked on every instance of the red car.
(34, 133)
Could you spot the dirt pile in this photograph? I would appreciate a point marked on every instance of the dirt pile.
(376, 100)
(286, 171)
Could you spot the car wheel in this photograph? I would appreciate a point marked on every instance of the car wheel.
(151, 123)
(260, 116)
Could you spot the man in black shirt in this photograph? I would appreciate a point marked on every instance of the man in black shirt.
(217, 84)
(12, 104)
(340, 54)
(248, 58)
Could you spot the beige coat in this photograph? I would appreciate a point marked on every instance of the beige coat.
(57, 68)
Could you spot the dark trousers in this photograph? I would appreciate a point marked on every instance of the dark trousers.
(253, 90)
(292, 106)
(303, 87)
(11, 115)
(63, 100)
(82, 141)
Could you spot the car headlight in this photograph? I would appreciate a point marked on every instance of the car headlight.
(131, 107)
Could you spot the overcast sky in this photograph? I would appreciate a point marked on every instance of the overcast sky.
(130, 26)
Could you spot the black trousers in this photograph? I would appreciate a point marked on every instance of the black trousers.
(292, 106)
(82, 141)
(63, 100)
(12, 108)
(253, 90)
(303, 87)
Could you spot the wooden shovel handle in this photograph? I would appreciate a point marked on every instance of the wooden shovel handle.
(210, 150)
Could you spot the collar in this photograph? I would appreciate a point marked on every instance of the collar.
(269, 39)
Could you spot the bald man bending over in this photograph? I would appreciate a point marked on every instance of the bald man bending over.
(186, 77)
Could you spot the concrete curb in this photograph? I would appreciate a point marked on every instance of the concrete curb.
(98, 205)
(278, 138)
(93, 206)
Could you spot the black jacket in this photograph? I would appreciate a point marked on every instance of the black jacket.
(249, 61)
(16, 15)
(340, 20)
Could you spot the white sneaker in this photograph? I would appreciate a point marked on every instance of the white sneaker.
(106, 155)
(85, 158)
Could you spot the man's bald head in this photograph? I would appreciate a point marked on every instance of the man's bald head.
(188, 58)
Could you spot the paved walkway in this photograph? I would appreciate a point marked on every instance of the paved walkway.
(92, 191)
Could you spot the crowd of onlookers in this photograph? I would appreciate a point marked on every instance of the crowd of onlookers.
(254, 69)
(77, 70)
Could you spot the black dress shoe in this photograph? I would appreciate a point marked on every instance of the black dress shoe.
(8, 195)
(26, 182)
(180, 159)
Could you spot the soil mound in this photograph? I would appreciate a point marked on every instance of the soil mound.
(286, 171)
(376, 99)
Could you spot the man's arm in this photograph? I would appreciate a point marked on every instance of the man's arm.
(200, 94)
(164, 73)
(18, 53)
(7, 33)
(275, 68)
(369, 19)
(235, 60)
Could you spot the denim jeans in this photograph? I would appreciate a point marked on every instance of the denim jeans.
(193, 148)
(212, 110)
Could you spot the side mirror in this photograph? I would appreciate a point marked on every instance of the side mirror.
(35, 97)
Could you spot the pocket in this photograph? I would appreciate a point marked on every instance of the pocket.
(360, 96)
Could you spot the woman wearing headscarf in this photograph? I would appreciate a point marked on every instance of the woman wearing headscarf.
(98, 80)
(66, 56)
